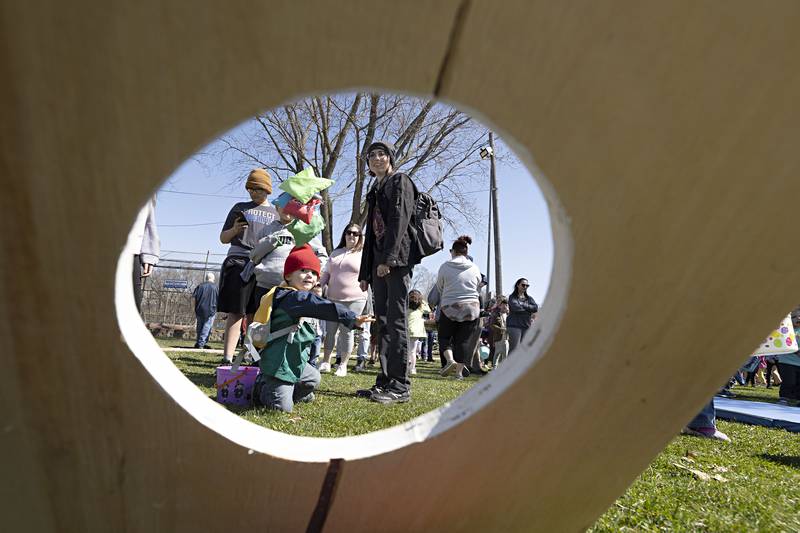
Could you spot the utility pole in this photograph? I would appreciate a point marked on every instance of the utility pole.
(205, 267)
(498, 273)
(489, 251)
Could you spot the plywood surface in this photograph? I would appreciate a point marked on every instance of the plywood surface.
(667, 132)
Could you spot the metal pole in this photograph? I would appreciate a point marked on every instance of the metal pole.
(205, 267)
(498, 273)
(489, 250)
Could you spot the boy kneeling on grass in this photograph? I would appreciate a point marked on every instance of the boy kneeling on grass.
(287, 376)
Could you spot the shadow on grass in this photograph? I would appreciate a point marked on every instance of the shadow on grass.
(752, 397)
(786, 460)
(201, 379)
(203, 362)
(336, 394)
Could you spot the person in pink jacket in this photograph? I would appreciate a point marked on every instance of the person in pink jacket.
(340, 280)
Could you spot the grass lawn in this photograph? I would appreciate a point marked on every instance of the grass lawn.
(336, 411)
(752, 484)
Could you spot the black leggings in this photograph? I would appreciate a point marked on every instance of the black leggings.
(459, 336)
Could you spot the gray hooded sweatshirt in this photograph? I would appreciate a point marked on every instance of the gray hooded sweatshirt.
(458, 281)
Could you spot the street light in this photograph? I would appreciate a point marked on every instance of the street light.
(487, 152)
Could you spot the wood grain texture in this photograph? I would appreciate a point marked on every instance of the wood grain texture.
(103, 101)
(667, 130)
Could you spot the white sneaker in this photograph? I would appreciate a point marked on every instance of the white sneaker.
(324, 367)
(341, 371)
(707, 434)
(413, 371)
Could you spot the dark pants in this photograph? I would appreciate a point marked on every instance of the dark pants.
(458, 336)
(391, 293)
(429, 345)
(790, 381)
(768, 372)
(137, 282)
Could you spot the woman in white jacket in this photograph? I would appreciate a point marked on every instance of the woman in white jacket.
(458, 283)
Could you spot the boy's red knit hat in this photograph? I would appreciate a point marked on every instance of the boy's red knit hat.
(301, 257)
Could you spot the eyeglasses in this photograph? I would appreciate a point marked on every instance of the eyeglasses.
(251, 189)
(524, 285)
(375, 154)
(353, 233)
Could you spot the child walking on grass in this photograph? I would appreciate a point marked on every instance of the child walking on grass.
(288, 378)
(417, 307)
(500, 331)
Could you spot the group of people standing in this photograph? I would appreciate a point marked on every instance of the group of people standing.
(369, 272)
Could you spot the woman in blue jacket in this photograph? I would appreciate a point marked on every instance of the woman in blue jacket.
(521, 310)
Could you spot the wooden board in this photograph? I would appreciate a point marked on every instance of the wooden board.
(664, 134)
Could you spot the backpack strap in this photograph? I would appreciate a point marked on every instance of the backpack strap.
(262, 325)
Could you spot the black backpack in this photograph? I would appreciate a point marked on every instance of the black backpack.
(427, 224)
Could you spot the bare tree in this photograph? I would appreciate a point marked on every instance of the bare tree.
(436, 145)
(423, 280)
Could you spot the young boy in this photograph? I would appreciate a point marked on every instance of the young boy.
(288, 378)
(500, 331)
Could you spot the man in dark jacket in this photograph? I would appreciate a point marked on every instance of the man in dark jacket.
(205, 307)
(386, 264)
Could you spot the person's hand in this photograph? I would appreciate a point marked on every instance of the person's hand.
(239, 225)
(383, 270)
(364, 319)
(364, 285)
(147, 269)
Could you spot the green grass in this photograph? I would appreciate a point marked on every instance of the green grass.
(336, 411)
(756, 394)
(762, 493)
(760, 468)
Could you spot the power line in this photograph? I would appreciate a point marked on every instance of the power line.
(189, 225)
(202, 194)
(194, 253)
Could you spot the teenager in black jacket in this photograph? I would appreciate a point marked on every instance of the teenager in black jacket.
(386, 264)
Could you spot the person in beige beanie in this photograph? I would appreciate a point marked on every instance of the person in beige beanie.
(242, 228)
(259, 179)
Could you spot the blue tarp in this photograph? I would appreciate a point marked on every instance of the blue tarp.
(759, 413)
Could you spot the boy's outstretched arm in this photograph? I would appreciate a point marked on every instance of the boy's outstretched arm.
(298, 304)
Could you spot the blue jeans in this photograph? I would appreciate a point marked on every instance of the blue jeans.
(281, 395)
(706, 418)
(429, 345)
(363, 345)
(204, 324)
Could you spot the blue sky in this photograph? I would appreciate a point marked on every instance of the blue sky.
(192, 222)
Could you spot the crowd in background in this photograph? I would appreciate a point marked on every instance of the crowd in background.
(368, 273)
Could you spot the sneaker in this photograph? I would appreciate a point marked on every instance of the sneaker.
(706, 433)
(196, 346)
(324, 367)
(783, 401)
(361, 366)
(478, 371)
(390, 397)
(413, 371)
(341, 371)
(207, 347)
(448, 369)
(367, 393)
(308, 398)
